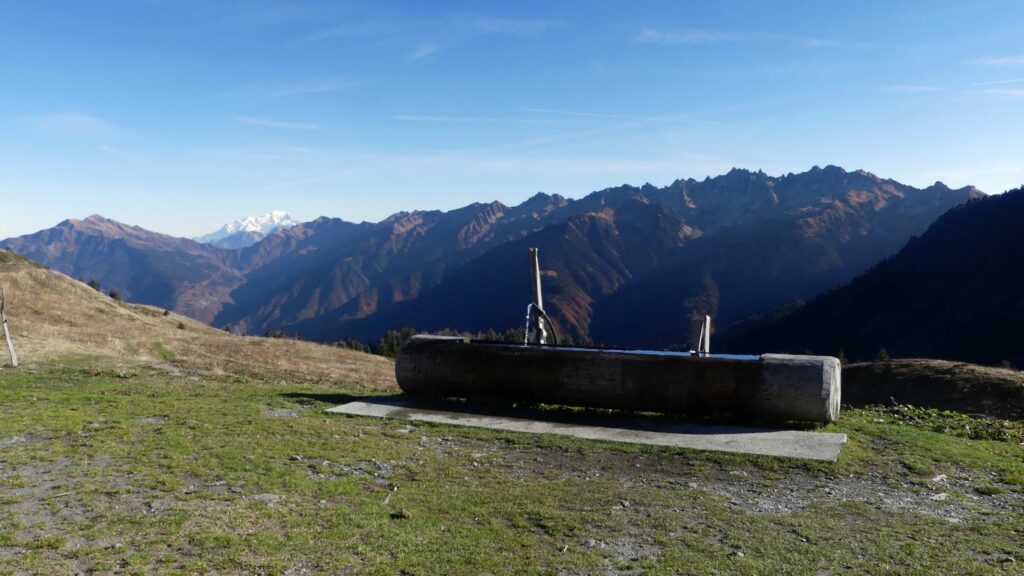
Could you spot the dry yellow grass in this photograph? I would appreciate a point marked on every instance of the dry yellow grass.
(941, 384)
(55, 318)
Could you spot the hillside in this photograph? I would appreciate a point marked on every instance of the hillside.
(55, 318)
(625, 265)
(955, 292)
(143, 266)
(938, 384)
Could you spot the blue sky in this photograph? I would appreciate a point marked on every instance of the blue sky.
(180, 116)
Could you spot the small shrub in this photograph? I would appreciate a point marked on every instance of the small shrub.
(275, 333)
(115, 295)
(167, 312)
(882, 356)
(988, 489)
(1015, 478)
(181, 325)
(918, 466)
(94, 285)
(391, 342)
(46, 542)
(354, 344)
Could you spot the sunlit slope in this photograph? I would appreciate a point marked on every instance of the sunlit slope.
(53, 317)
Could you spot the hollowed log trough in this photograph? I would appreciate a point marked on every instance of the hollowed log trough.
(773, 387)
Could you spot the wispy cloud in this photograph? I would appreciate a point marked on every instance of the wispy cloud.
(119, 153)
(331, 163)
(471, 119)
(607, 116)
(815, 42)
(263, 122)
(695, 36)
(545, 116)
(689, 36)
(112, 150)
(506, 26)
(913, 88)
(999, 82)
(297, 183)
(361, 29)
(401, 27)
(583, 114)
(961, 91)
(462, 161)
(424, 50)
(75, 124)
(1004, 93)
(314, 86)
(1001, 61)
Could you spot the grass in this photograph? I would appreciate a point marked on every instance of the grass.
(938, 384)
(53, 318)
(144, 471)
(165, 354)
(952, 423)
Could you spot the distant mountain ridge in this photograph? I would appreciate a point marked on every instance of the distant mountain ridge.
(147, 267)
(741, 244)
(248, 231)
(624, 265)
(955, 292)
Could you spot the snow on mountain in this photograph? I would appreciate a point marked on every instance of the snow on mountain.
(248, 231)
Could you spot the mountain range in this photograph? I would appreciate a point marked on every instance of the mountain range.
(625, 265)
(957, 291)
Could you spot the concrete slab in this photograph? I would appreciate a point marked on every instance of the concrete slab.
(760, 441)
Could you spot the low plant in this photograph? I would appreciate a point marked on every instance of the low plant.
(953, 423)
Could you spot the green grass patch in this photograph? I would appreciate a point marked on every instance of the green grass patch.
(989, 489)
(165, 354)
(160, 474)
(952, 423)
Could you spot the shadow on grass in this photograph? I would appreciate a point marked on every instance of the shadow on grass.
(597, 417)
(332, 399)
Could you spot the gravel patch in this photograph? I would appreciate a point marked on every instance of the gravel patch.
(281, 413)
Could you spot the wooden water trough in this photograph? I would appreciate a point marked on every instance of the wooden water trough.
(765, 387)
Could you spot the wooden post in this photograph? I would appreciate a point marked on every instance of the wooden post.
(7, 330)
(766, 387)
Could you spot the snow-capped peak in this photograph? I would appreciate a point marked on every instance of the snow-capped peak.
(264, 224)
(249, 230)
